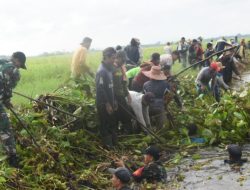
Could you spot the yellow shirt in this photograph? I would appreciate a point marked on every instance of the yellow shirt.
(79, 65)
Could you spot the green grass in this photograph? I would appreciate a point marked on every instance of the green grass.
(45, 74)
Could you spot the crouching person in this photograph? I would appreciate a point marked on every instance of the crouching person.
(153, 171)
(105, 100)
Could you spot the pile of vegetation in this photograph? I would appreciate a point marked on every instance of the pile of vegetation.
(70, 154)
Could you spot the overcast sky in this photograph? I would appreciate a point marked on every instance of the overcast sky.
(36, 26)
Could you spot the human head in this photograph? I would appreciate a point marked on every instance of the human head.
(120, 58)
(121, 177)
(151, 154)
(166, 70)
(175, 55)
(18, 58)
(192, 129)
(155, 58)
(135, 42)
(183, 39)
(209, 45)
(214, 67)
(109, 55)
(194, 41)
(168, 43)
(86, 42)
(235, 152)
(148, 98)
(118, 47)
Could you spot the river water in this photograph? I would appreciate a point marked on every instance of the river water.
(209, 172)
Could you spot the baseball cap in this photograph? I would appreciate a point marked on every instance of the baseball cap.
(153, 151)
(215, 66)
(121, 173)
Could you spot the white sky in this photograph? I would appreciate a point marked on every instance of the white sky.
(36, 26)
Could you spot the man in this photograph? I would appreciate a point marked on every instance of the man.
(209, 51)
(134, 52)
(79, 65)
(167, 48)
(121, 178)
(121, 92)
(182, 49)
(169, 59)
(192, 52)
(158, 86)
(140, 79)
(9, 76)
(140, 105)
(105, 100)
(153, 171)
(205, 76)
(221, 44)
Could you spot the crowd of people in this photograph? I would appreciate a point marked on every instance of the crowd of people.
(129, 88)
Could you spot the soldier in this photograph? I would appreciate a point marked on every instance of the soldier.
(9, 76)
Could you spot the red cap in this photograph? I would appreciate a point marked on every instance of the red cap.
(215, 66)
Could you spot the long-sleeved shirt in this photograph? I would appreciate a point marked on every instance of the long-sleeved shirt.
(79, 65)
(204, 76)
(104, 86)
(120, 85)
(9, 76)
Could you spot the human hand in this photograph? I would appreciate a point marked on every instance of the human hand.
(119, 163)
(109, 108)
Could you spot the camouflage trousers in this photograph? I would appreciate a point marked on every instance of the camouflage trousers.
(6, 133)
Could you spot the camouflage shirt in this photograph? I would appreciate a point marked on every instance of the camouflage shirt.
(152, 173)
(9, 76)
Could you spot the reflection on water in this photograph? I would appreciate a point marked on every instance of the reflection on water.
(211, 173)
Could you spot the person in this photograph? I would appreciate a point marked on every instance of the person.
(192, 52)
(221, 44)
(9, 77)
(199, 53)
(121, 92)
(182, 49)
(120, 178)
(192, 133)
(158, 86)
(235, 154)
(140, 105)
(105, 99)
(79, 66)
(132, 73)
(209, 51)
(169, 59)
(229, 63)
(242, 50)
(205, 76)
(248, 44)
(134, 52)
(140, 79)
(167, 48)
(153, 171)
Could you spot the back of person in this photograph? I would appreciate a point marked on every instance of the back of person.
(154, 172)
(157, 87)
(78, 65)
(133, 54)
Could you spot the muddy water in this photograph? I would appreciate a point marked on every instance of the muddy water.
(211, 173)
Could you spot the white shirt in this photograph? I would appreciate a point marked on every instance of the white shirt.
(167, 49)
(166, 59)
(136, 105)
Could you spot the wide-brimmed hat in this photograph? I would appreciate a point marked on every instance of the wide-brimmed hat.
(155, 73)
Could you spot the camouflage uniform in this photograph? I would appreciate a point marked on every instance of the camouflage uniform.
(9, 76)
(152, 173)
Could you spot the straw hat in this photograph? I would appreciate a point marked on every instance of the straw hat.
(155, 73)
